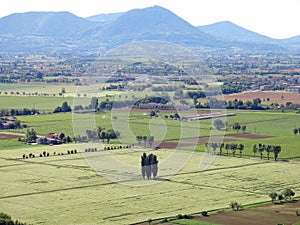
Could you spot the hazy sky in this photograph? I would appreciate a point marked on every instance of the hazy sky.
(274, 18)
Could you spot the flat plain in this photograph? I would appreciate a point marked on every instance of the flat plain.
(66, 190)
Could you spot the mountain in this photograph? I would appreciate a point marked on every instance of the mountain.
(155, 23)
(63, 32)
(104, 18)
(50, 24)
(229, 31)
(241, 37)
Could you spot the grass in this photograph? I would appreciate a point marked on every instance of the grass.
(65, 186)
(43, 104)
(12, 144)
(279, 125)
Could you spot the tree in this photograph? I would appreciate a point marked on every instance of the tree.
(236, 126)
(61, 136)
(145, 138)
(254, 149)
(280, 197)
(233, 148)
(235, 206)
(219, 124)
(244, 127)
(150, 141)
(152, 113)
(94, 103)
(273, 196)
(276, 151)
(139, 139)
(143, 164)
(221, 146)
(149, 165)
(214, 146)
(65, 107)
(227, 147)
(241, 148)
(296, 131)
(268, 149)
(31, 136)
(288, 193)
(261, 149)
(99, 131)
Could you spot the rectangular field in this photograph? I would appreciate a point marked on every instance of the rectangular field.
(66, 190)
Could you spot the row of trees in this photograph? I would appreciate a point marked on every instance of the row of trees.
(261, 148)
(47, 154)
(103, 134)
(213, 147)
(149, 164)
(18, 112)
(255, 104)
(218, 148)
(286, 194)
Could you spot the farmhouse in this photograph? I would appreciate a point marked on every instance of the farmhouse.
(9, 123)
(51, 139)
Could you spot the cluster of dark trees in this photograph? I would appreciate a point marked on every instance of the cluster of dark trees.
(95, 106)
(6, 219)
(146, 140)
(237, 127)
(18, 112)
(149, 165)
(195, 94)
(286, 194)
(255, 104)
(30, 136)
(64, 108)
(213, 147)
(103, 134)
(154, 99)
(64, 139)
(261, 148)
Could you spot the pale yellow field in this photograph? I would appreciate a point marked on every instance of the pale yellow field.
(66, 190)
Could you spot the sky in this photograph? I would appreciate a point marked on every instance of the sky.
(273, 18)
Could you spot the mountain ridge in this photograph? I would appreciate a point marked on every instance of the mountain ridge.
(67, 31)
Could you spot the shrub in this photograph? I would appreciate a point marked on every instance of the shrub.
(179, 217)
(204, 213)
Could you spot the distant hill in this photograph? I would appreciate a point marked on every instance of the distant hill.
(51, 24)
(229, 31)
(63, 32)
(240, 37)
(155, 23)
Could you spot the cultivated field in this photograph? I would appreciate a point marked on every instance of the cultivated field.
(273, 96)
(65, 190)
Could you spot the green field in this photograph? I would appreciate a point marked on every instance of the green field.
(278, 125)
(65, 190)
